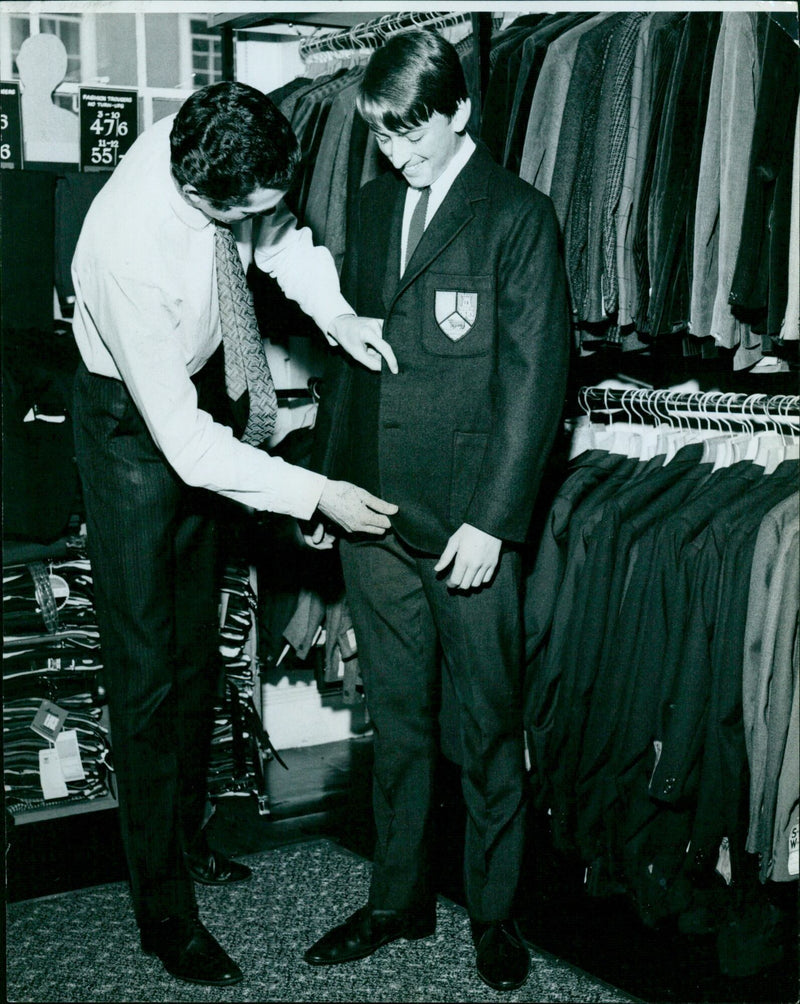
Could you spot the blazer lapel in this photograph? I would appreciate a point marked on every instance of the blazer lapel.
(392, 274)
(449, 220)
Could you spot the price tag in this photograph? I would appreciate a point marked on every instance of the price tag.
(60, 588)
(69, 756)
(48, 720)
(50, 776)
(109, 125)
(10, 126)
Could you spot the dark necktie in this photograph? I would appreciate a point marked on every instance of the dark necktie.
(248, 380)
(417, 225)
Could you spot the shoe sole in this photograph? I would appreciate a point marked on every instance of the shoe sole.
(206, 983)
(230, 881)
(188, 979)
(411, 936)
(506, 986)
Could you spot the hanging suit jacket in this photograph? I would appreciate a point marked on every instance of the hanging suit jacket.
(480, 328)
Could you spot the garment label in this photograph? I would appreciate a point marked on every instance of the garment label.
(657, 746)
(60, 588)
(347, 644)
(794, 851)
(69, 756)
(48, 720)
(724, 860)
(50, 776)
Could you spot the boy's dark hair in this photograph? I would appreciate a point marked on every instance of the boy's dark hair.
(409, 78)
(229, 139)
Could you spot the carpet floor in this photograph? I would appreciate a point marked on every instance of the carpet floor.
(83, 945)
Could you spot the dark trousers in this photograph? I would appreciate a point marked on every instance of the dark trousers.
(405, 618)
(152, 546)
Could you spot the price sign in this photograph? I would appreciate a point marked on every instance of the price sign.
(10, 126)
(109, 125)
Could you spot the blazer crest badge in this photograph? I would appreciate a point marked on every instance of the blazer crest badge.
(455, 312)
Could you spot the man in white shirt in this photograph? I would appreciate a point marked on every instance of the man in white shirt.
(154, 446)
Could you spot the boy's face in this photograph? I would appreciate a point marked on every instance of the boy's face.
(421, 154)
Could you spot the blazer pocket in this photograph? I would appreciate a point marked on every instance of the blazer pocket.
(458, 314)
(468, 451)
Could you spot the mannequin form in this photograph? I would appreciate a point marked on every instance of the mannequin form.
(49, 133)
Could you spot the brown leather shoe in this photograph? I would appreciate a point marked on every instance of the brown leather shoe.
(367, 930)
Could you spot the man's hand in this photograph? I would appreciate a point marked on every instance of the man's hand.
(474, 555)
(319, 539)
(362, 337)
(355, 509)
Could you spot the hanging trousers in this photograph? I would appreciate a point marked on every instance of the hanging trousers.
(403, 613)
(152, 546)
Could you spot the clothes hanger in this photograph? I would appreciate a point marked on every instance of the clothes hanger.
(724, 454)
(583, 436)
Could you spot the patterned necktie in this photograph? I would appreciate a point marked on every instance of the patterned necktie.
(246, 367)
(417, 225)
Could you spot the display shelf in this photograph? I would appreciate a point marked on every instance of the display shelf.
(57, 808)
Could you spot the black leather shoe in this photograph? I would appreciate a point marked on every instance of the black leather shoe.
(502, 956)
(189, 952)
(213, 868)
(366, 931)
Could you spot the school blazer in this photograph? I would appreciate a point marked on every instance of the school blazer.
(480, 326)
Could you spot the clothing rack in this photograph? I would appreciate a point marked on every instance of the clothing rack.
(781, 412)
(370, 35)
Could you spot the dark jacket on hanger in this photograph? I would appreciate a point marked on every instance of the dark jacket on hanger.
(677, 169)
(759, 287)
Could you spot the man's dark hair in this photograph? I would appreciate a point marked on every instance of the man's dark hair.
(409, 78)
(228, 140)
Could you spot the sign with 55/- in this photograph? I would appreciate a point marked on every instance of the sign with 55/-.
(109, 125)
(10, 126)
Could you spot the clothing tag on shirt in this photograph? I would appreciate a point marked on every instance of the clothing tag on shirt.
(657, 746)
(794, 851)
(50, 776)
(69, 756)
(347, 644)
(724, 860)
(48, 720)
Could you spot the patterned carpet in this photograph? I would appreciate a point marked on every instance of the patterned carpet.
(83, 946)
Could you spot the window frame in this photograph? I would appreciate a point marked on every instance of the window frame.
(88, 55)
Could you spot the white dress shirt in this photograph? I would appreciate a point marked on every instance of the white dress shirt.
(438, 191)
(146, 312)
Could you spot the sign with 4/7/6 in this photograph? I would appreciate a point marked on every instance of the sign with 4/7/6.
(109, 125)
(10, 126)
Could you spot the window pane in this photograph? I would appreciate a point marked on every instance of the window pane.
(68, 101)
(162, 34)
(116, 49)
(20, 30)
(206, 53)
(165, 106)
(68, 30)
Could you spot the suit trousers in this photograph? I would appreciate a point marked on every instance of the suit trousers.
(405, 620)
(152, 546)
